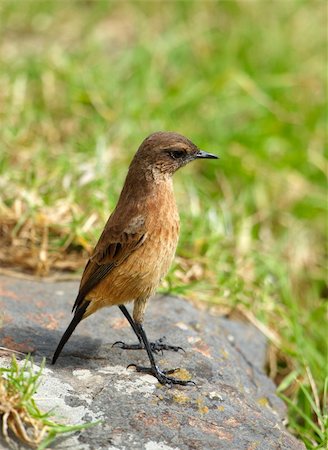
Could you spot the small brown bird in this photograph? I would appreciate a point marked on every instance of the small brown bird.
(138, 243)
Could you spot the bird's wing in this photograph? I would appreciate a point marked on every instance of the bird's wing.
(115, 244)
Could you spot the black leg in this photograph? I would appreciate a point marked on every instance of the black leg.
(131, 322)
(157, 346)
(154, 370)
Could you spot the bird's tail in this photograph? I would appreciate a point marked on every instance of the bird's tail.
(78, 316)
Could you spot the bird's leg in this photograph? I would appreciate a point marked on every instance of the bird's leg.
(161, 375)
(156, 346)
(121, 344)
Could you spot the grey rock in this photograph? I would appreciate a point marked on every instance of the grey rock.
(233, 405)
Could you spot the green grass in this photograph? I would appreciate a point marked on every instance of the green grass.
(19, 412)
(82, 83)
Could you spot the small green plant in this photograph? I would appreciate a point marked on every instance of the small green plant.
(310, 415)
(20, 415)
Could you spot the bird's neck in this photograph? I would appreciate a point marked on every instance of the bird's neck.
(144, 183)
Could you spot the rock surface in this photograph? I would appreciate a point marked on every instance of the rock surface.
(233, 405)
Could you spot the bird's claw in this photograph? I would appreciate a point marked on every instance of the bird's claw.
(116, 344)
(124, 346)
(161, 375)
(159, 346)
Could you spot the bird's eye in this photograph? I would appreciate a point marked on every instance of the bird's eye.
(177, 154)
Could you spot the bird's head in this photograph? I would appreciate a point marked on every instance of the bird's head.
(165, 152)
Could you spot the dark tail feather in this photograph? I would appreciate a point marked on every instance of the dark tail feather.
(71, 327)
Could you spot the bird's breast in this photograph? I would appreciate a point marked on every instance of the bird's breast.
(153, 259)
(140, 273)
(146, 266)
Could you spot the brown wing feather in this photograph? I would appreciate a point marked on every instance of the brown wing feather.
(113, 247)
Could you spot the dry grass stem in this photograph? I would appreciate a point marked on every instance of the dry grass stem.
(16, 417)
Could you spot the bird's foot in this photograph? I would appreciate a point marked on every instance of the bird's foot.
(162, 375)
(156, 346)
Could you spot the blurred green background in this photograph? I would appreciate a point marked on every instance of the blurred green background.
(82, 83)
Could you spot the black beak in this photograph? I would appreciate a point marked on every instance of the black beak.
(205, 155)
